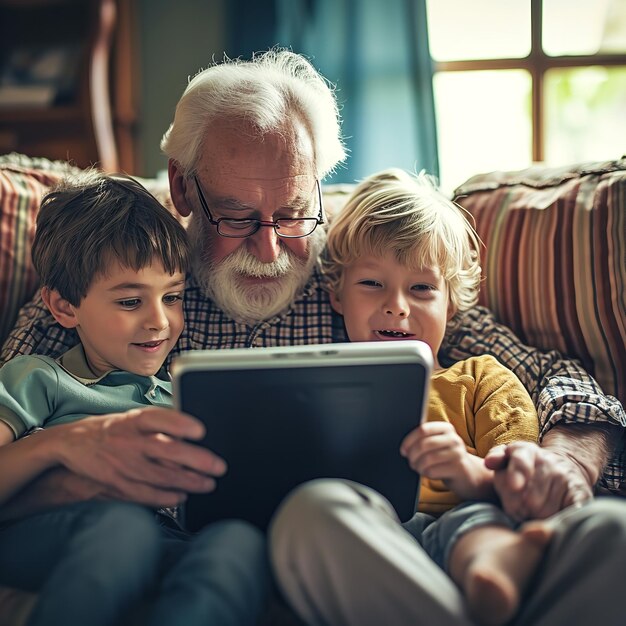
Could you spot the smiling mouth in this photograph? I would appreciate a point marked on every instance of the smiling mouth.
(150, 344)
(394, 334)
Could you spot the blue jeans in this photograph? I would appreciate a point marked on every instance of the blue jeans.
(95, 562)
(438, 535)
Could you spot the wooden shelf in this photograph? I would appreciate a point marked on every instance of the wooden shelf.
(40, 115)
(78, 124)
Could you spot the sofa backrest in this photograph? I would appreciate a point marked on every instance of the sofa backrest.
(554, 267)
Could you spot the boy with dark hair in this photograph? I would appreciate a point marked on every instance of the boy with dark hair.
(112, 264)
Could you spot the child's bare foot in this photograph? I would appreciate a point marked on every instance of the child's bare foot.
(537, 532)
(491, 595)
(499, 567)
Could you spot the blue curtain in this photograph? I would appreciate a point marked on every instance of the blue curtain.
(377, 55)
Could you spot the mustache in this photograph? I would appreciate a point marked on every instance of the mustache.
(243, 262)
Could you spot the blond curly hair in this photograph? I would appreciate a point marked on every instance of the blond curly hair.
(406, 213)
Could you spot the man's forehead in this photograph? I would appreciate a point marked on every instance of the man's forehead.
(266, 170)
(276, 161)
(256, 188)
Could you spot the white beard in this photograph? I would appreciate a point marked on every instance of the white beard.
(225, 283)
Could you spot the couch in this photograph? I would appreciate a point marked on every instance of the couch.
(554, 263)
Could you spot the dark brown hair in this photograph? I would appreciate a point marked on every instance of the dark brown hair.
(90, 220)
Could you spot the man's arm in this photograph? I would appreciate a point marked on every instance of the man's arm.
(587, 448)
(141, 456)
(535, 482)
(53, 488)
(568, 401)
(559, 387)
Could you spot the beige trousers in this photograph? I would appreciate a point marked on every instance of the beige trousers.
(342, 558)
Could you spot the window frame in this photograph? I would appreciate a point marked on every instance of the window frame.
(536, 63)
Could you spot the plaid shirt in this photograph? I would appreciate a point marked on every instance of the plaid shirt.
(561, 390)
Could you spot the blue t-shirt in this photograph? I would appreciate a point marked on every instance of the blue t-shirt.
(38, 391)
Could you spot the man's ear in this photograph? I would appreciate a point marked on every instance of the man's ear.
(178, 187)
(62, 311)
(335, 303)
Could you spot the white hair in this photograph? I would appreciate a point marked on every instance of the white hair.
(264, 91)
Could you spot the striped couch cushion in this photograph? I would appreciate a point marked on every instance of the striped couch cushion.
(23, 181)
(555, 259)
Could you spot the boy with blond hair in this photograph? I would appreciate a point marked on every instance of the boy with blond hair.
(401, 260)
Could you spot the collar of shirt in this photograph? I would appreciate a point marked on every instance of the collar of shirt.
(74, 362)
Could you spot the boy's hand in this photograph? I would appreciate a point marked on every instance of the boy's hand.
(436, 451)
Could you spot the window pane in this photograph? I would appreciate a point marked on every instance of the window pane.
(483, 123)
(591, 27)
(460, 30)
(585, 114)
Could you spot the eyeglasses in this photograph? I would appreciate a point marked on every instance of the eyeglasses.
(286, 227)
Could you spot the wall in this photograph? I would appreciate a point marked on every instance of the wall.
(174, 40)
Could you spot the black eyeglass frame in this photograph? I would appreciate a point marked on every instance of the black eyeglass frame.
(275, 224)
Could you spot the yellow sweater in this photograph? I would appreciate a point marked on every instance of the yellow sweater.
(487, 405)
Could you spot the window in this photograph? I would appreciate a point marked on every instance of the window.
(518, 81)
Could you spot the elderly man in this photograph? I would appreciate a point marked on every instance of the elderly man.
(247, 150)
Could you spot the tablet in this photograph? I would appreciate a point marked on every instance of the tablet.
(281, 416)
